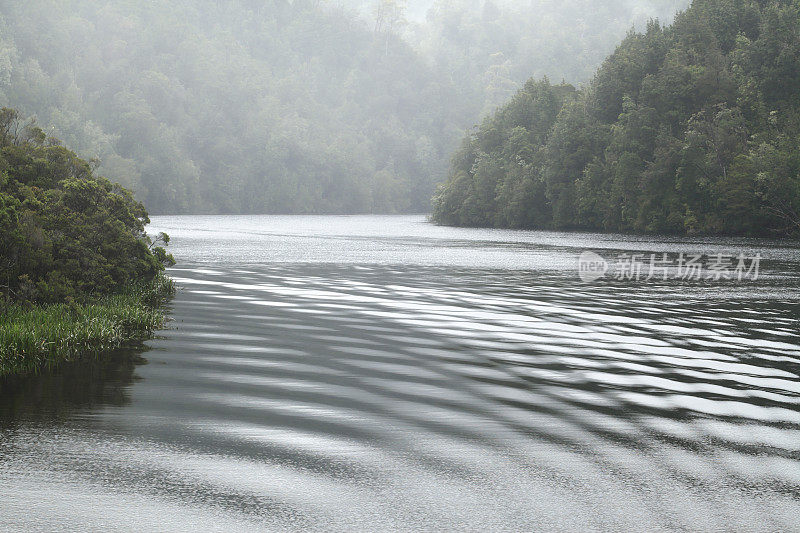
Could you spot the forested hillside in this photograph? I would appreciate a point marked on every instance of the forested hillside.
(490, 48)
(693, 128)
(270, 106)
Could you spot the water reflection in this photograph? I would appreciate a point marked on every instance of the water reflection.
(314, 396)
(74, 386)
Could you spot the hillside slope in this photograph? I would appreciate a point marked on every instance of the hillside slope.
(687, 129)
(272, 106)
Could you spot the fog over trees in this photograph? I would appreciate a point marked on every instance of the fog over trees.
(270, 106)
(685, 129)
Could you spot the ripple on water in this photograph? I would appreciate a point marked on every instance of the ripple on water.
(319, 396)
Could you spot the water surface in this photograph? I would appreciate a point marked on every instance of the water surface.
(381, 373)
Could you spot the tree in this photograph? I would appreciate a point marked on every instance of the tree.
(64, 232)
(687, 129)
(389, 18)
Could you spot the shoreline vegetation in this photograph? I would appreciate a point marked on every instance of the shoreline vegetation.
(79, 275)
(687, 129)
(38, 337)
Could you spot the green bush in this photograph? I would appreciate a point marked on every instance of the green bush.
(64, 232)
(78, 273)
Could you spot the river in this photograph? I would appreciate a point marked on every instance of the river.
(381, 373)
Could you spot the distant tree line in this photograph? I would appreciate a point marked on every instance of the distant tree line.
(272, 106)
(692, 128)
(490, 48)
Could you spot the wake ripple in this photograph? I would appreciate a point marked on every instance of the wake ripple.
(324, 397)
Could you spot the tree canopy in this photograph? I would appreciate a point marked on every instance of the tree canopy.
(692, 128)
(64, 232)
(272, 106)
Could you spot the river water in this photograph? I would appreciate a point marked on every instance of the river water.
(382, 373)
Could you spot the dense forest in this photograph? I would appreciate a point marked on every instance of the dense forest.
(66, 234)
(271, 106)
(691, 128)
(490, 48)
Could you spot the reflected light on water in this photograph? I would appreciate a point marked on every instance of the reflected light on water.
(309, 395)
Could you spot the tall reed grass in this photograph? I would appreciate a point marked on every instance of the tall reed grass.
(34, 337)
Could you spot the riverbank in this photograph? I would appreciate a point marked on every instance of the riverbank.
(36, 337)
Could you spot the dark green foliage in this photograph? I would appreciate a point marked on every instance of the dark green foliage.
(33, 338)
(491, 48)
(694, 128)
(497, 173)
(279, 106)
(65, 234)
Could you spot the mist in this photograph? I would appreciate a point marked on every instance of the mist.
(289, 107)
(399, 265)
